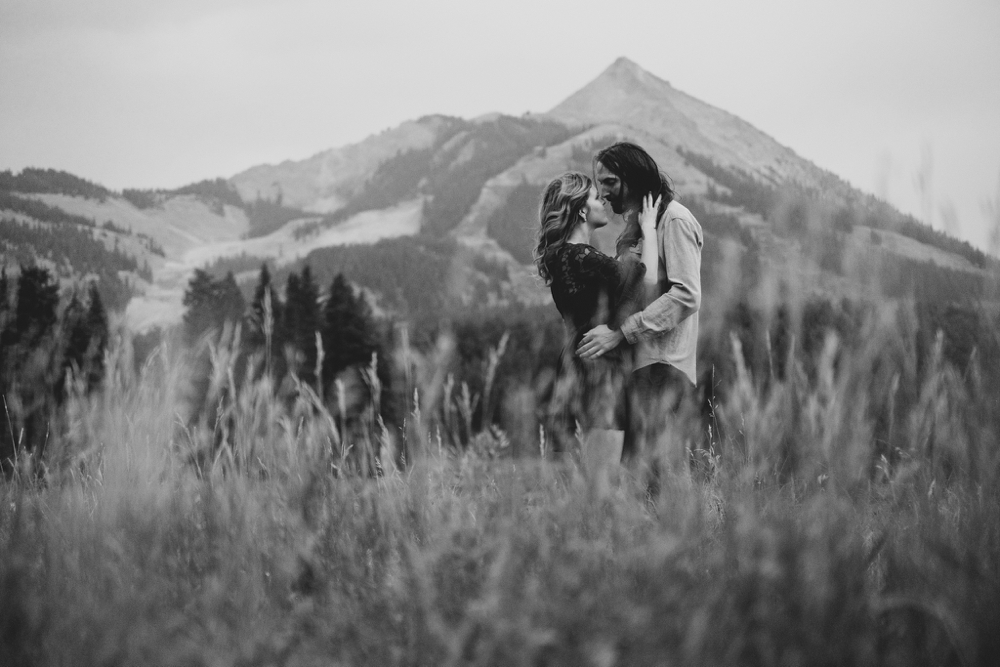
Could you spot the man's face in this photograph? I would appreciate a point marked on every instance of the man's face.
(610, 188)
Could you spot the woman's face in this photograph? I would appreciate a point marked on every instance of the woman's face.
(597, 217)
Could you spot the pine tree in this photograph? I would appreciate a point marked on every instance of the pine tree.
(5, 311)
(96, 322)
(232, 306)
(349, 334)
(77, 341)
(31, 368)
(266, 321)
(4, 296)
(37, 303)
(198, 299)
(259, 314)
(210, 304)
(302, 322)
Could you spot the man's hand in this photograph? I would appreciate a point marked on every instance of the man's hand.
(599, 340)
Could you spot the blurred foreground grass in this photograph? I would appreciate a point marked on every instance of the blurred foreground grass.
(295, 542)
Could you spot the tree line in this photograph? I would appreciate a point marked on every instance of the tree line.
(264, 215)
(41, 211)
(788, 206)
(50, 345)
(292, 332)
(51, 181)
(73, 251)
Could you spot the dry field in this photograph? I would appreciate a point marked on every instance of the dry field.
(299, 541)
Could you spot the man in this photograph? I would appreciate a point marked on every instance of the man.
(665, 332)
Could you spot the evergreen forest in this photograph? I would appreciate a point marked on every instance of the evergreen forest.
(52, 347)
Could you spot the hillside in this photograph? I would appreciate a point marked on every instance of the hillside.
(637, 99)
(327, 180)
(470, 189)
(41, 225)
(757, 200)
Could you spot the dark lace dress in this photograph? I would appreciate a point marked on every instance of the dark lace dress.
(589, 288)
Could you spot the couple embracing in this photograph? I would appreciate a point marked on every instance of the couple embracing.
(631, 320)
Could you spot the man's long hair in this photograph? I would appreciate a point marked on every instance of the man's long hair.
(640, 174)
(559, 214)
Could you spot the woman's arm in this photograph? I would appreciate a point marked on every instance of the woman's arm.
(633, 294)
(650, 256)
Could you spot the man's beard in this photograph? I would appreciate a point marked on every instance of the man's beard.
(617, 203)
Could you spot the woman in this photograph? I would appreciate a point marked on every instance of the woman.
(589, 288)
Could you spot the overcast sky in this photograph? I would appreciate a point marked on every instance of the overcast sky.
(130, 93)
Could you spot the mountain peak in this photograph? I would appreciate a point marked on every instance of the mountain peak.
(614, 90)
(624, 69)
(628, 95)
(627, 65)
(624, 63)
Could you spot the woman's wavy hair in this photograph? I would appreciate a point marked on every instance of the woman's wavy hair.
(558, 215)
(639, 172)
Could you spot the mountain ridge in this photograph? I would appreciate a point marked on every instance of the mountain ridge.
(324, 181)
(703, 127)
(477, 183)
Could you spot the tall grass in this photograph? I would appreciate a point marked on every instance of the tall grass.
(274, 531)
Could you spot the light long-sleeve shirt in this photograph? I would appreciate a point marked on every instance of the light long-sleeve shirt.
(666, 330)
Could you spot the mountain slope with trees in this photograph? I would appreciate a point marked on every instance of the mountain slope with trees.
(465, 194)
(480, 181)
